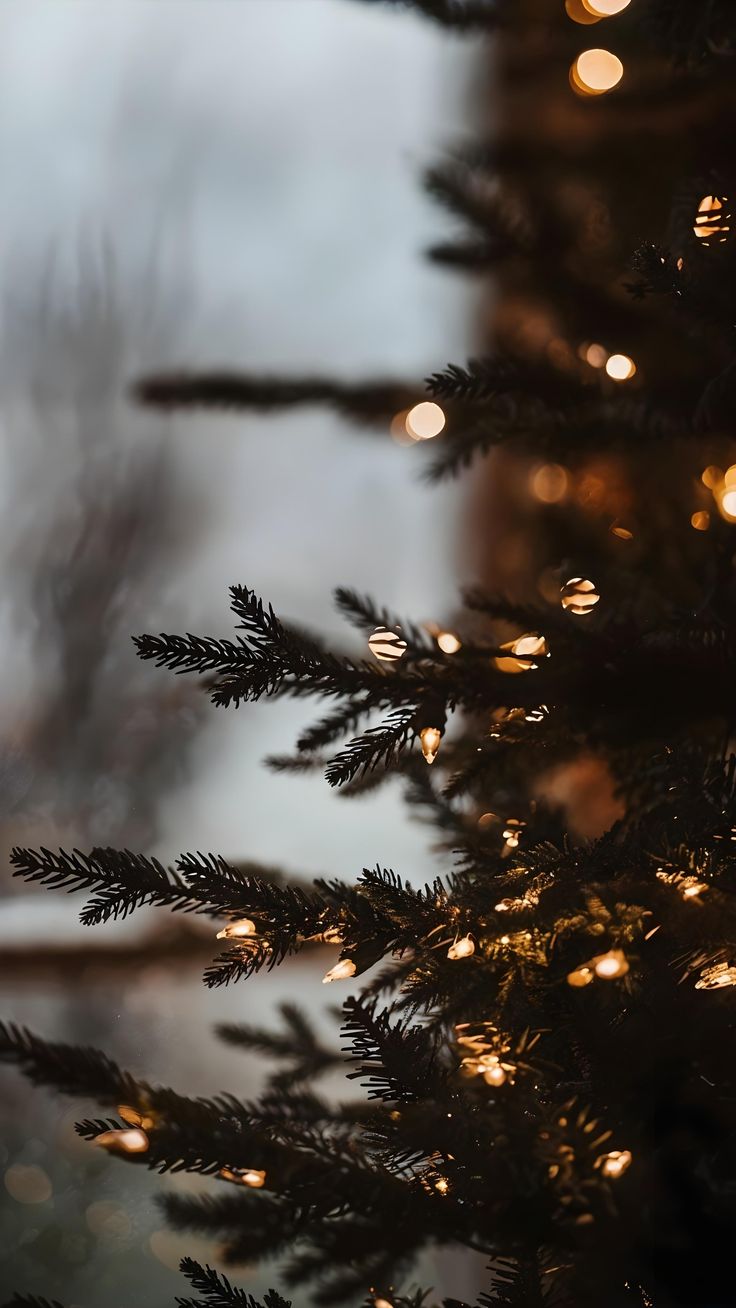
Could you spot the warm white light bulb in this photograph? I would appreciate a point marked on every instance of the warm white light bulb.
(130, 1140)
(430, 738)
(340, 972)
(620, 367)
(425, 420)
(448, 642)
(237, 930)
(461, 948)
(596, 71)
(611, 965)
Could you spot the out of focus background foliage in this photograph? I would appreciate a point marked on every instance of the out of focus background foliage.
(219, 184)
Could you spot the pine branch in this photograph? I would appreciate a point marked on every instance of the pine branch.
(218, 1292)
(365, 403)
(380, 745)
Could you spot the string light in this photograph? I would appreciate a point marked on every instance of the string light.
(340, 972)
(461, 948)
(250, 1176)
(712, 220)
(615, 1163)
(623, 533)
(581, 976)
(448, 642)
(512, 832)
(430, 738)
(387, 646)
(442, 1185)
(611, 965)
(425, 421)
(523, 651)
(620, 367)
(596, 71)
(606, 8)
(578, 595)
(700, 520)
(129, 1140)
(237, 930)
(717, 977)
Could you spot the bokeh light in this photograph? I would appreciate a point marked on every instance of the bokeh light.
(596, 71)
(712, 220)
(605, 8)
(448, 642)
(700, 520)
(425, 420)
(548, 483)
(27, 1184)
(596, 356)
(620, 367)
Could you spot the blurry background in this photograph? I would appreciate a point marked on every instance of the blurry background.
(206, 183)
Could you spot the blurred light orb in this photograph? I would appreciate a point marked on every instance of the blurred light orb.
(700, 520)
(387, 646)
(728, 504)
(730, 475)
(27, 1185)
(448, 642)
(581, 976)
(398, 428)
(579, 13)
(549, 483)
(579, 595)
(596, 356)
(620, 367)
(606, 8)
(713, 220)
(611, 965)
(596, 71)
(711, 476)
(616, 1162)
(623, 533)
(108, 1219)
(425, 420)
(522, 654)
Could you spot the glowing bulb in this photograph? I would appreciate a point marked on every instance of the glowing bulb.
(522, 653)
(578, 595)
(727, 504)
(712, 220)
(620, 367)
(442, 1185)
(582, 976)
(576, 10)
(623, 533)
(448, 642)
(461, 948)
(430, 738)
(425, 420)
(382, 1303)
(692, 889)
(611, 965)
(237, 930)
(340, 972)
(333, 936)
(700, 520)
(549, 483)
(130, 1140)
(596, 71)
(250, 1176)
(387, 646)
(606, 8)
(615, 1163)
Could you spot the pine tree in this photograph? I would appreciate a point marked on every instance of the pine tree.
(543, 1035)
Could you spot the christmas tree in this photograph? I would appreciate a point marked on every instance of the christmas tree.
(541, 1036)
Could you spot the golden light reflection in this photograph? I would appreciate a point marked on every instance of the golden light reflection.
(711, 476)
(611, 965)
(727, 504)
(700, 520)
(253, 1177)
(581, 976)
(425, 421)
(596, 71)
